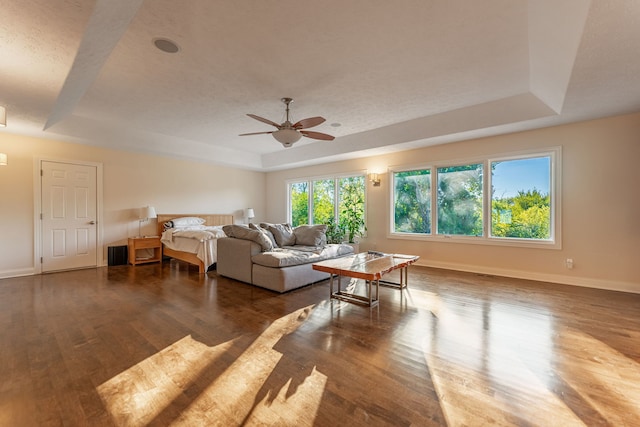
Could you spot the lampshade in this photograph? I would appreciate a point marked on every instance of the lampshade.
(147, 212)
(287, 136)
(250, 213)
(3, 159)
(3, 116)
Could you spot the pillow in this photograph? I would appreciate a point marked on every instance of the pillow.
(185, 221)
(229, 229)
(245, 233)
(283, 234)
(265, 232)
(216, 230)
(311, 235)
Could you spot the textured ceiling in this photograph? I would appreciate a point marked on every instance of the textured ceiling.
(394, 75)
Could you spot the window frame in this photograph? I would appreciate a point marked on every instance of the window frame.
(434, 188)
(336, 178)
(555, 187)
(392, 201)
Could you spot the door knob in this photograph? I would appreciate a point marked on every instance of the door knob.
(92, 222)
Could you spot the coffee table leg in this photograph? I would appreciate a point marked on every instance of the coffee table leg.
(406, 277)
(331, 287)
(371, 299)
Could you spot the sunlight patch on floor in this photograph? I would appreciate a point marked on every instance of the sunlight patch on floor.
(231, 398)
(470, 369)
(469, 397)
(136, 396)
(299, 409)
(605, 378)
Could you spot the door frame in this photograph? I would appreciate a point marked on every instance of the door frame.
(37, 208)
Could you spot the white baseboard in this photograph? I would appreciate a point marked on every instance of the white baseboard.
(587, 282)
(17, 273)
(31, 271)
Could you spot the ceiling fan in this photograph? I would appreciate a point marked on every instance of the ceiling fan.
(288, 133)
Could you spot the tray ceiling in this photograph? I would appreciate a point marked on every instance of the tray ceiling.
(387, 76)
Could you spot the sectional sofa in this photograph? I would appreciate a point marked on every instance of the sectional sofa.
(276, 256)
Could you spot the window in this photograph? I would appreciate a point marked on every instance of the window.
(460, 200)
(412, 202)
(521, 198)
(299, 199)
(324, 201)
(351, 201)
(332, 198)
(515, 204)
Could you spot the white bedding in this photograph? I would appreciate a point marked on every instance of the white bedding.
(200, 240)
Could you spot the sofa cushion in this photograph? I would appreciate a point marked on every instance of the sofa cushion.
(266, 232)
(230, 229)
(286, 257)
(311, 235)
(245, 233)
(283, 233)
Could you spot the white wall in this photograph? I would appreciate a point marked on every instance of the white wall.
(131, 180)
(601, 200)
(600, 205)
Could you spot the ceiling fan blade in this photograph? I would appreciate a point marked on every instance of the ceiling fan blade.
(309, 123)
(255, 133)
(263, 120)
(317, 135)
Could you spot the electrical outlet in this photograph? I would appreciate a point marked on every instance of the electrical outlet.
(569, 263)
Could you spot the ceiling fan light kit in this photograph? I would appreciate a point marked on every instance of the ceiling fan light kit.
(287, 137)
(288, 133)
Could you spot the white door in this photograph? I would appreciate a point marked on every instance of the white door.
(69, 231)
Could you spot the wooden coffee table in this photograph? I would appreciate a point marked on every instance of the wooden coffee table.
(369, 267)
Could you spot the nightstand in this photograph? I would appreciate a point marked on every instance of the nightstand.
(138, 243)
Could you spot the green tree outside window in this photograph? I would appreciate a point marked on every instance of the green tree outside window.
(460, 200)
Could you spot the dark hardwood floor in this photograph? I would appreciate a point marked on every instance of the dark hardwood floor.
(161, 345)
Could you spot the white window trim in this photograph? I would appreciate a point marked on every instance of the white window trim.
(311, 179)
(555, 153)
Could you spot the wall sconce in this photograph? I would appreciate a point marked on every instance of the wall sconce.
(250, 214)
(3, 159)
(144, 215)
(375, 179)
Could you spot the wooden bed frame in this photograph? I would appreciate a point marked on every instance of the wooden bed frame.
(210, 219)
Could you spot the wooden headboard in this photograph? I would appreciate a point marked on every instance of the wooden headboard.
(210, 219)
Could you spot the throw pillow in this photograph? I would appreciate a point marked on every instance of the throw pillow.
(245, 233)
(311, 235)
(283, 234)
(229, 229)
(265, 232)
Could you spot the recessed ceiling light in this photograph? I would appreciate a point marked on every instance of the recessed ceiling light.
(166, 45)
(336, 125)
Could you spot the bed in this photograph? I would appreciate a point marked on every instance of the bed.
(187, 243)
